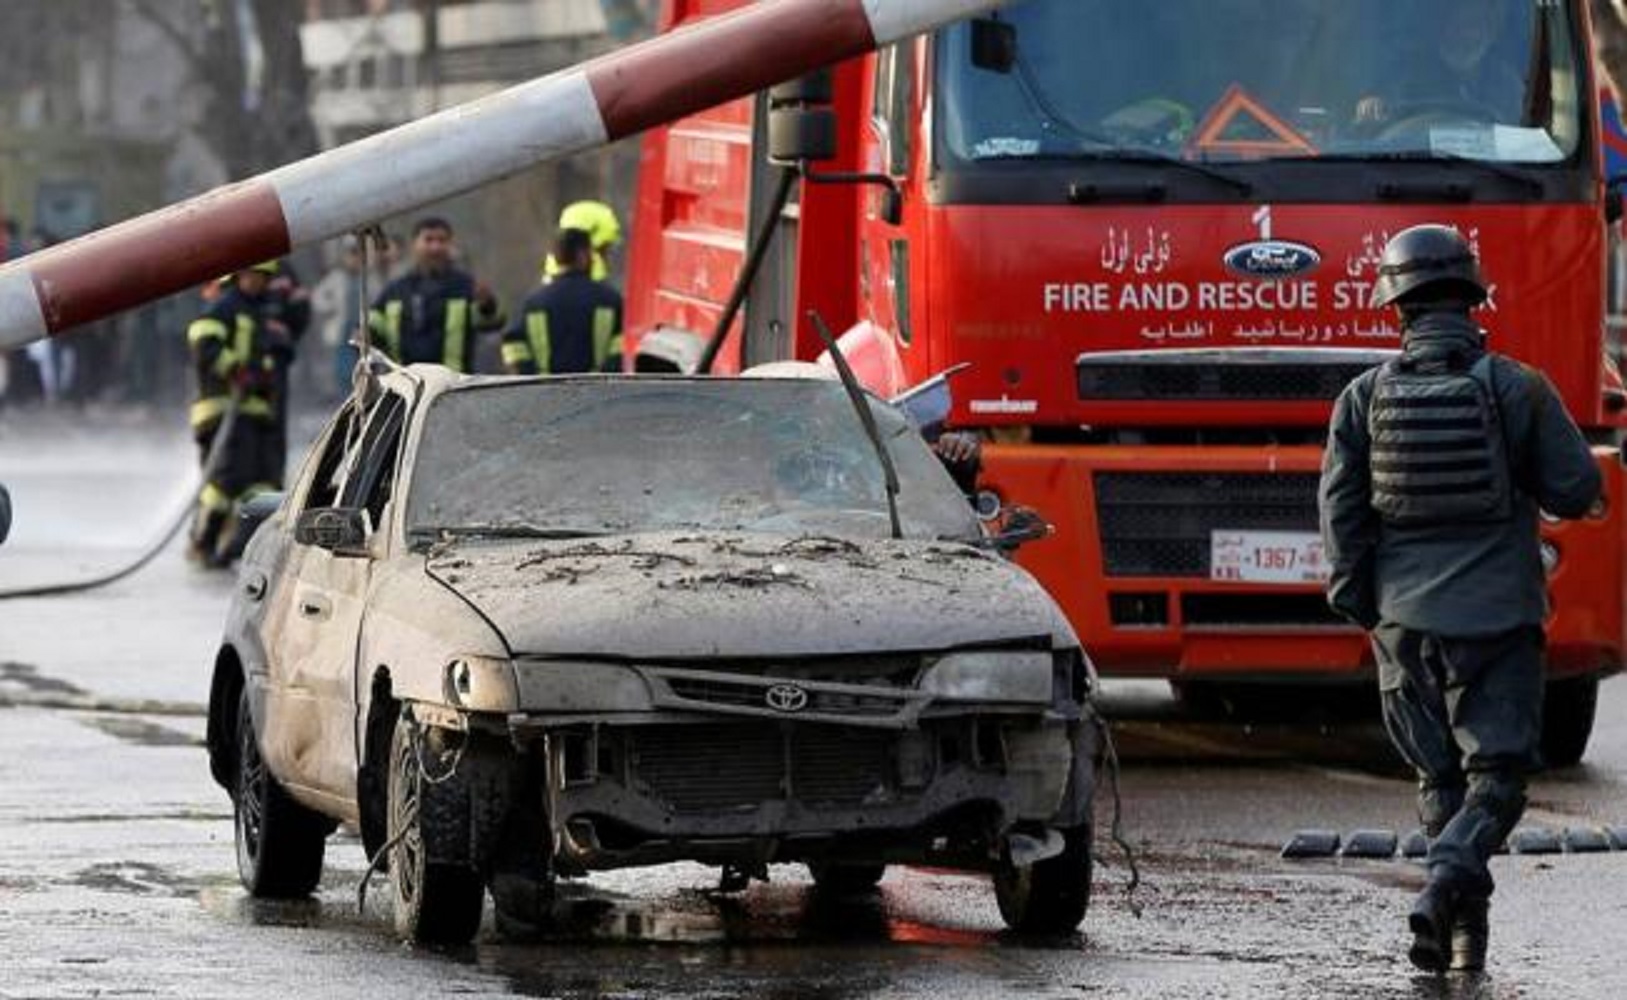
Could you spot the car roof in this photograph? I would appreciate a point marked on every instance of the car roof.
(435, 380)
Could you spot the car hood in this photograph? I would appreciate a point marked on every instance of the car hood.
(688, 596)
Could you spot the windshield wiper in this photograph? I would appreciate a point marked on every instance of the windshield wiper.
(1512, 174)
(1082, 192)
(505, 531)
(856, 393)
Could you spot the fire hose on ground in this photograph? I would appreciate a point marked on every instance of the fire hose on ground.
(173, 527)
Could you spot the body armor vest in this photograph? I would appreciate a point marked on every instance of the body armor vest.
(1438, 453)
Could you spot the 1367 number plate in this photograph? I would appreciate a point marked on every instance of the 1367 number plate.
(1266, 557)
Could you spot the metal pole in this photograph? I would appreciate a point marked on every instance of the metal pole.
(606, 99)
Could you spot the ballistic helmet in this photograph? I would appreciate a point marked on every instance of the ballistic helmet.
(1428, 262)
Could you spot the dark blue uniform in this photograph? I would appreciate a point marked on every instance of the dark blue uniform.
(430, 318)
(571, 325)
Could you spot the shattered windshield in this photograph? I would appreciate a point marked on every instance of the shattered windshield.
(606, 457)
(1240, 80)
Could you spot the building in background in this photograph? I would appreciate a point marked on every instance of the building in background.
(375, 64)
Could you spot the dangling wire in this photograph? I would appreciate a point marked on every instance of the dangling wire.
(362, 381)
(1111, 759)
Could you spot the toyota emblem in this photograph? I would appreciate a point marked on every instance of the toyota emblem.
(786, 698)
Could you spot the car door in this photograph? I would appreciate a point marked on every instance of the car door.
(313, 707)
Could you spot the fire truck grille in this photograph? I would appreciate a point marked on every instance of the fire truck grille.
(1157, 524)
(1279, 382)
(708, 768)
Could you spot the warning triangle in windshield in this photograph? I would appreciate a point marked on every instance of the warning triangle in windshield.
(1239, 125)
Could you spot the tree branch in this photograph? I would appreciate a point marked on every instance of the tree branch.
(178, 38)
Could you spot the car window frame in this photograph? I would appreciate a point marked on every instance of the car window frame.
(378, 455)
(335, 435)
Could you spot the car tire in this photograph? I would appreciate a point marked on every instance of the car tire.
(1050, 897)
(280, 843)
(1568, 711)
(435, 902)
(845, 880)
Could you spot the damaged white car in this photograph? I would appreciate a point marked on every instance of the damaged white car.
(522, 629)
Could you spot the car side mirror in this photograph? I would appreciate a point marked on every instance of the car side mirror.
(1023, 525)
(5, 514)
(994, 45)
(344, 531)
(256, 512)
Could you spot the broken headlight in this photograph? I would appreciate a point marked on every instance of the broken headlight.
(992, 676)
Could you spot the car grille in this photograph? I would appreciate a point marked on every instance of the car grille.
(1158, 523)
(1279, 382)
(710, 768)
(722, 693)
(894, 671)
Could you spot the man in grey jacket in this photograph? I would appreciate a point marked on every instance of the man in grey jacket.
(1436, 468)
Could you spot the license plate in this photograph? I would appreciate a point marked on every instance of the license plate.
(1266, 557)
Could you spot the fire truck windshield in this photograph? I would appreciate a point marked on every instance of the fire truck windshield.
(1238, 81)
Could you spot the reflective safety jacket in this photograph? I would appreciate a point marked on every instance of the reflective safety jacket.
(230, 346)
(432, 318)
(569, 326)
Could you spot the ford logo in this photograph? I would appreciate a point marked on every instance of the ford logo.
(786, 698)
(1272, 260)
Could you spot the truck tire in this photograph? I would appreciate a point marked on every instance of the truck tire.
(845, 880)
(1567, 719)
(1049, 898)
(280, 843)
(436, 902)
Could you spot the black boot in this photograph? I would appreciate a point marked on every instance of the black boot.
(1470, 933)
(205, 536)
(1431, 921)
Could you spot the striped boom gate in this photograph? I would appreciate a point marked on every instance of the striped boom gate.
(348, 188)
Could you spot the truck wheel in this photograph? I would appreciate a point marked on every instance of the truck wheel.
(279, 842)
(1050, 897)
(845, 880)
(1567, 719)
(435, 902)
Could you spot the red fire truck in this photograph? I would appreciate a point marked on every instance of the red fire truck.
(1151, 231)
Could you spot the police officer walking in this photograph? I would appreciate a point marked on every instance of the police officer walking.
(570, 325)
(234, 347)
(1437, 465)
(432, 313)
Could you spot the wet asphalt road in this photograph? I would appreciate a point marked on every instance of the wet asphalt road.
(117, 871)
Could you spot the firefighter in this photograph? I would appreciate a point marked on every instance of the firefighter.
(433, 312)
(1437, 465)
(288, 303)
(234, 346)
(1458, 74)
(599, 221)
(570, 325)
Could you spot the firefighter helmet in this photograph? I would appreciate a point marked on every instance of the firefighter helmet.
(1433, 258)
(596, 219)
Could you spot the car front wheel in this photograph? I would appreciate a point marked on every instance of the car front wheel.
(279, 842)
(1051, 896)
(436, 902)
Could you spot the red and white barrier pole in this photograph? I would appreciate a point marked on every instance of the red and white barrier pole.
(345, 189)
